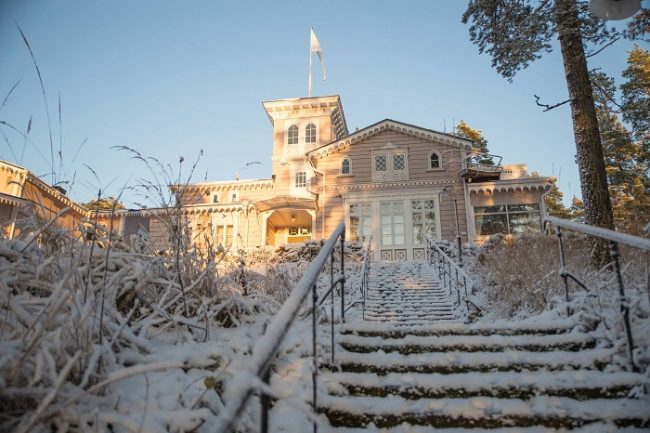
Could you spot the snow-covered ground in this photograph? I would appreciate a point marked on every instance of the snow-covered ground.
(113, 340)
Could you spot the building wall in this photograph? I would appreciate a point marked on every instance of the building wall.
(423, 183)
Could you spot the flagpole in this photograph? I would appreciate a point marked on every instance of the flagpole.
(310, 62)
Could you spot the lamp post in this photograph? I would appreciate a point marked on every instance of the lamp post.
(458, 238)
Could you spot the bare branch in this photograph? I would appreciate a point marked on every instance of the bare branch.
(549, 107)
(599, 50)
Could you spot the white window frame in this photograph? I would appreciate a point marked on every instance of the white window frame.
(349, 173)
(439, 155)
(298, 175)
(286, 141)
(390, 174)
(315, 133)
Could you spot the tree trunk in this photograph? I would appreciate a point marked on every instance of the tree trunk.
(589, 150)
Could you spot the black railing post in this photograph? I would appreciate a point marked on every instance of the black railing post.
(343, 277)
(449, 272)
(314, 348)
(565, 278)
(625, 308)
(332, 302)
(264, 399)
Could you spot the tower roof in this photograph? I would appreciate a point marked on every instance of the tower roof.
(307, 107)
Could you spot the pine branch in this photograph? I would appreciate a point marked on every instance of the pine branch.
(549, 107)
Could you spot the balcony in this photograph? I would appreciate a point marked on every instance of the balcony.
(481, 167)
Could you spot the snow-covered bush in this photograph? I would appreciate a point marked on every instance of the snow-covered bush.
(519, 277)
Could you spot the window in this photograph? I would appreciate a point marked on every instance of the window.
(380, 162)
(215, 198)
(345, 166)
(310, 133)
(299, 231)
(292, 135)
(360, 221)
(423, 213)
(301, 179)
(234, 197)
(434, 161)
(399, 162)
(392, 223)
(223, 236)
(390, 166)
(507, 218)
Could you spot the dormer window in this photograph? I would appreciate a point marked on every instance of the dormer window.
(435, 161)
(310, 133)
(292, 135)
(346, 168)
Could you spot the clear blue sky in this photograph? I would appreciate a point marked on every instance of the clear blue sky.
(170, 78)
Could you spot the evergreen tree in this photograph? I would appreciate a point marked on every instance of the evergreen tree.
(625, 158)
(636, 98)
(106, 203)
(479, 142)
(577, 210)
(554, 205)
(517, 32)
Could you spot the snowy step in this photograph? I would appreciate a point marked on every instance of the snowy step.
(485, 412)
(407, 308)
(470, 343)
(595, 427)
(579, 385)
(460, 328)
(464, 362)
(408, 318)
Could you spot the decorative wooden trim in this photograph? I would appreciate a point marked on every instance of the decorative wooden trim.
(389, 125)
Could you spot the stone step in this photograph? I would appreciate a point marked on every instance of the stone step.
(484, 412)
(578, 385)
(408, 308)
(476, 343)
(412, 320)
(560, 327)
(463, 362)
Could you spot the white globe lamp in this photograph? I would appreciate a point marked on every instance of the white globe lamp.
(614, 9)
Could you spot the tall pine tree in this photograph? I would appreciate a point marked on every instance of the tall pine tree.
(517, 32)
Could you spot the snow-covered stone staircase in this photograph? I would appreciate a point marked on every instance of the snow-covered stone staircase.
(407, 294)
(413, 374)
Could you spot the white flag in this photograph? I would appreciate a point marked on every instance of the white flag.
(314, 47)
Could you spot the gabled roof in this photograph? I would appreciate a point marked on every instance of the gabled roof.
(390, 125)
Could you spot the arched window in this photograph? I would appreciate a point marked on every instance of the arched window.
(310, 133)
(434, 161)
(346, 168)
(292, 135)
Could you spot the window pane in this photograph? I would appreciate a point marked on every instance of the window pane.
(228, 242)
(292, 136)
(354, 228)
(434, 161)
(490, 209)
(491, 224)
(345, 166)
(525, 222)
(301, 179)
(399, 161)
(310, 133)
(533, 207)
(380, 162)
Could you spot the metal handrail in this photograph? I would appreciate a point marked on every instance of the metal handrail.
(614, 238)
(445, 266)
(365, 270)
(268, 345)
